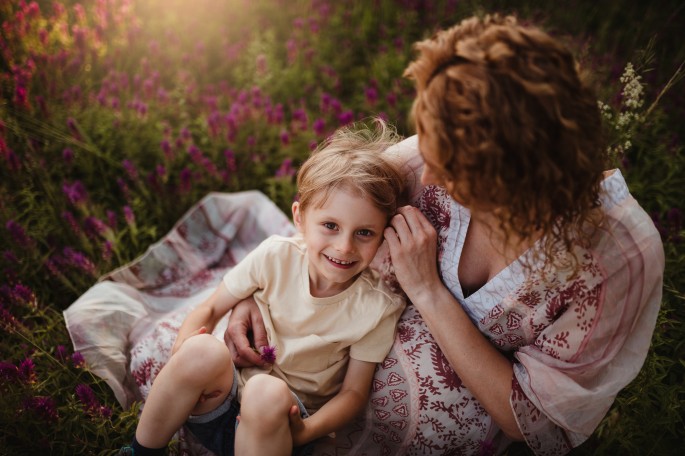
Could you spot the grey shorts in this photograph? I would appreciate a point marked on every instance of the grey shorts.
(216, 430)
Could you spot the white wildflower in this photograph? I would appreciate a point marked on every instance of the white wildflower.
(633, 91)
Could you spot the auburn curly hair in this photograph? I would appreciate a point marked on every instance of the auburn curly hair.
(512, 128)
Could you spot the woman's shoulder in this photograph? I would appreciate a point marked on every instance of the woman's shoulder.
(628, 234)
(614, 189)
(625, 216)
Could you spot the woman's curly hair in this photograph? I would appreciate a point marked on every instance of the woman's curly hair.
(512, 127)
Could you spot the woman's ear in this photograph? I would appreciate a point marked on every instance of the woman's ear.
(297, 216)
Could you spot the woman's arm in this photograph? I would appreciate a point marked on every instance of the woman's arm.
(246, 323)
(340, 410)
(412, 241)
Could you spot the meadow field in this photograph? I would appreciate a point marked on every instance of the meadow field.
(116, 116)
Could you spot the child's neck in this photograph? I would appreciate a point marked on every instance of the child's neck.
(326, 289)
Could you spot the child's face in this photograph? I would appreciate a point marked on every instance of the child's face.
(342, 238)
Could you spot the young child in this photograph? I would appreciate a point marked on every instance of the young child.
(329, 318)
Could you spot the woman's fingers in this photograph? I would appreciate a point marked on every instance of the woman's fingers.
(411, 228)
(412, 242)
(415, 219)
(241, 323)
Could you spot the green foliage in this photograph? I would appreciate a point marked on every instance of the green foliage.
(116, 117)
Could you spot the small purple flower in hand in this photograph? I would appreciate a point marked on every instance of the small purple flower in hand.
(268, 354)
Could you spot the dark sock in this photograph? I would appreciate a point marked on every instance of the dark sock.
(140, 450)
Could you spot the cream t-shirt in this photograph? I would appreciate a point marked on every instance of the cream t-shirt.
(314, 337)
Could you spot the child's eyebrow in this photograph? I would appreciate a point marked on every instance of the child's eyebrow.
(328, 218)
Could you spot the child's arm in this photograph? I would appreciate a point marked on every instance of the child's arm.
(205, 316)
(340, 410)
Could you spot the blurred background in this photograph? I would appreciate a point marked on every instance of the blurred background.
(117, 115)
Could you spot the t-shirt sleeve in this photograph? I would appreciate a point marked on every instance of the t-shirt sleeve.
(376, 344)
(246, 277)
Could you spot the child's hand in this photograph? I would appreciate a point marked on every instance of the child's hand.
(297, 427)
(180, 340)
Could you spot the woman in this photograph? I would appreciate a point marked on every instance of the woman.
(537, 274)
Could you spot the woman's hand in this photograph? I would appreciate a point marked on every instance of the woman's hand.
(412, 241)
(246, 318)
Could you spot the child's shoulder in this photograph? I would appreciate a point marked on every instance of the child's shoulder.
(283, 245)
(374, 283)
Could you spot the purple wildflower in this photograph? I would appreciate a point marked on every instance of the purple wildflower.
(21, 294)
(105, 411)
(86, 396)
(75, 192)
(78, 360)
(162, 95)
(346, 117)
(130, 169)
(371, 95)
(8, 372)
(107, 250)
(185, 177)
(111, 219)
(129, 216)
(300, 115)
(325, 102)
(123, 186)
(94, 227)
(268, 354)
(10, 257)
(200, 159)
(286, 169)
(285, 137)
(8, 321)
(185, 134)
(391, 98)
(78, 260)
(319, 127)
(27, 371)
(61, 353)
(18, 234)
(336, 106)
(43, 406)
(277, 114)
(68, 155)
(166, 148)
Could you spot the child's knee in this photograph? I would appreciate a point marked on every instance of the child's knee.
(264, 396)
(203, 355)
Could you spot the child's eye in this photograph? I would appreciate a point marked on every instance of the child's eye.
(365, 233)
(330, 225)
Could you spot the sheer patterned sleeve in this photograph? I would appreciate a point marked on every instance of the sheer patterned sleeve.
(591, 332)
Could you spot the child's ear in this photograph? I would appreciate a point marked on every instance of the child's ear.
(297, 215)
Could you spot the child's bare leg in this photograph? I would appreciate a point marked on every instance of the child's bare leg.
(196, 380)
(264, 425)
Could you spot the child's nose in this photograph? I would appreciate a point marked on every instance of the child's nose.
(345, 244)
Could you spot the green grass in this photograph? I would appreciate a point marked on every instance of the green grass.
(117, 116)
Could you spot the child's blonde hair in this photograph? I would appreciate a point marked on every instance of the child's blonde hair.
(353, 159)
